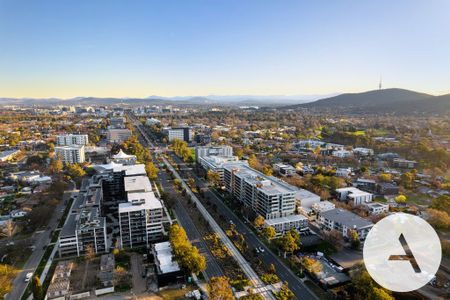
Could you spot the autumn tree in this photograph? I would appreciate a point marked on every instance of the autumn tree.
(363, 286)
(354, 239)
(90, 252)
(288, 243)
(56, 166)
(152, 171)
(186, 255)
(213, 177)
(267, 170)
(312, 265)
(438, 219)
(36, 287)
(220, 289)
(259, 221)
(284, 293)
(75, 171)
(401, 199)
(269, 232)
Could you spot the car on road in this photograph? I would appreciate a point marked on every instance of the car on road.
(231, 222)
(28, 276)
(261, 249)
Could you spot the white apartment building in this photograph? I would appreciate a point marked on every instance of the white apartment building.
(72, 139)
(284, 224)
(341, 153)
(70, 154)
(216, 163)
(284, 170)
(140, 220)
(354, 195)
(376, 208)
(203, 151)
(266, 195)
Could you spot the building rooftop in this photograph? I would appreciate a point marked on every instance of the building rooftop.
(129, 170)
(163, 258)
(137, 183)
(122, 155)
(139, 201)
(346, 218)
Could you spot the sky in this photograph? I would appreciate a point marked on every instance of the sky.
(109, 48)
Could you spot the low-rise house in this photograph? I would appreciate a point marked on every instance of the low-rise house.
(343, 172)
(368, 185)
(344, 221)
(387, 188)
(404, 163)
(106, 272)
(59, 287)
(341, 153)
(284, 170)
(284, 224)
(376, 208)
(353, 195)
(167, 269)
(362, 151)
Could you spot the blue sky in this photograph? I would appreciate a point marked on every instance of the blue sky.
(64, 48)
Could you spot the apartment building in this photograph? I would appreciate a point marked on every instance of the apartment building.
(284, 224)
(179, 133)
(266, 195)
(70, 154)
(204, 151)
(216, 163)
(72, 139)
(118, 135)
(140, 220)
(376, 208)
(83, 230)
(343, 221)
(354, 195)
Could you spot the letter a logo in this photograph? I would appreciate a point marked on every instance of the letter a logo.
(408, 254)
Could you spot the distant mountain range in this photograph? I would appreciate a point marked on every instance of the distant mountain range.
(384, 101)
(233, 100)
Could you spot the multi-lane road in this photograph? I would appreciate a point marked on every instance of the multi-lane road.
(297, 286)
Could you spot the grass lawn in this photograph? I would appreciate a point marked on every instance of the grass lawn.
(418, 199)
(173, 294)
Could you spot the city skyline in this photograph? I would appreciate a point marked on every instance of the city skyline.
(139, 49)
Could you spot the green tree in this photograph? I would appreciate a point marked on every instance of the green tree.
(36, 287)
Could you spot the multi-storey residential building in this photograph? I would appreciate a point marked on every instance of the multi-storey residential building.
(363, 151)
(266, 195)
(343, 221)
(72, 139)
(70, 154)
(204, 151)
(284, 224)
(118, 135)
(82, 230)
(140, 220)
(117, 122)
(404, 163)
(356, 196)
(322, 206)
(179, 133)
(216, 163)
(284, 170)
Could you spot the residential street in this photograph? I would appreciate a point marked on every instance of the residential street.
(42, 240)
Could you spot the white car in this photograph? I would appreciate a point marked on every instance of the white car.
(28, 276)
